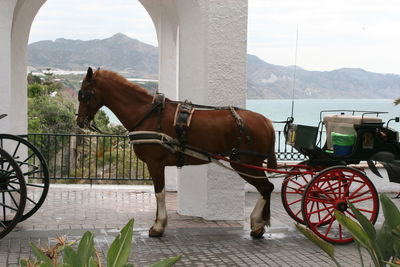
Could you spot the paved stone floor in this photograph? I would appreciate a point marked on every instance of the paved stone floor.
(74, 210)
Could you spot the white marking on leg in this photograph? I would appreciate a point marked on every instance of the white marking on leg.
(256, 216)
(161, 219)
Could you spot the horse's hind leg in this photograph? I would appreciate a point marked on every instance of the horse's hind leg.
(261, 214)
(157, 174)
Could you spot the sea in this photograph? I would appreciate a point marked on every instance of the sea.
(308, 111)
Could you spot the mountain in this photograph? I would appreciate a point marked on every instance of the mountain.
(119, 52)
(264, 81)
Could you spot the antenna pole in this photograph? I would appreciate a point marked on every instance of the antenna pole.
(295, 69)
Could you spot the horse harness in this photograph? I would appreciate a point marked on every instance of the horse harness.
(182, 121)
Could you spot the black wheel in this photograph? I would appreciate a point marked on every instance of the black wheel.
(33, 167)
(293, 187)
(12, 193)
(332, 189)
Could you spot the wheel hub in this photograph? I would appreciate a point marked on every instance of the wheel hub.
(341, 205)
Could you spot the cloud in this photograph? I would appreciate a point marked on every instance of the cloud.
(332, 34)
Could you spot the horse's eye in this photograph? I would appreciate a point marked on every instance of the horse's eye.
(80, 95)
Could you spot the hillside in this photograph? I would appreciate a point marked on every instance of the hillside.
(271, 81)
(119, 53)
(265, 81)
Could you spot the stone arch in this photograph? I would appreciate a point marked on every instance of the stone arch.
(202, 58)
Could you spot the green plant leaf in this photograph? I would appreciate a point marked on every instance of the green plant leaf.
(167, 262)
(23, 263)
(384, 241)
(369, 229)
(40, 255)
(396, 231)
(92, 262)
(354, 228)
(120, 248)
(85, 249)
(390, 211)
(364, 222)
(70, 257)
(325, 246)
(61, 248)
(128, 265)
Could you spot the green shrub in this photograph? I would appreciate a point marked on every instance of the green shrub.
(63, 255)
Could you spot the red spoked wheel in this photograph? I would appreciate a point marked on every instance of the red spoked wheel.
(333, 189)
(293, 187)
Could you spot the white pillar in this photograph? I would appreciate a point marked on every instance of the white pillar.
(6, 18)
(24, 14)
(168, 69)
(212, 71)
(163, 14)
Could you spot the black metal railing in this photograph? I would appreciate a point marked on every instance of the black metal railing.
(90, 157)
(72, 157)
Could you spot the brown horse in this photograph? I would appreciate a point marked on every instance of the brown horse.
(215, 131)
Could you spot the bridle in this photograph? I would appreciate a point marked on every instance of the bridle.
(84, 96)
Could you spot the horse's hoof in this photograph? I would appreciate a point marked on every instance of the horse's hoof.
(154, 233)
(258, 233)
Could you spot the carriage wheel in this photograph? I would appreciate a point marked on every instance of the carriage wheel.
(12, 193)
(293, 188)
(34, 169)
(332, 189)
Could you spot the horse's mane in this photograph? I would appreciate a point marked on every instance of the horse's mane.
(108, 74)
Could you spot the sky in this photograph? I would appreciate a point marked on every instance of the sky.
(330, 34)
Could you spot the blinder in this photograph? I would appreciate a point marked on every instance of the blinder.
(85, 95)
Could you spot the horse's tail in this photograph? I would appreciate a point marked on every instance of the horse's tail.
(272, 163)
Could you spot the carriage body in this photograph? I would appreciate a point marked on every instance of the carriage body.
(371, 138)
(333, 177)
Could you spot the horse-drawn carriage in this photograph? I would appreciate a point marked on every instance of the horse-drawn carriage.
(175, 133)
(24, 180)
(332, 176)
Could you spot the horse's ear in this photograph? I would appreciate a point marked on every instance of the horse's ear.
(89, 73)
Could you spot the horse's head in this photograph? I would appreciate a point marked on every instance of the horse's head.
(89, 100)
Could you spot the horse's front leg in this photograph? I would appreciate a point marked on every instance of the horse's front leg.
(157, 174)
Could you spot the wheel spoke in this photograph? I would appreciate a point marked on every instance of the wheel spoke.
(364, 210)
(320, 210)
(2, 224)
(328, 229)
(324, 219)
(295, 190)
(35, 185)
(12, 197)
(321, 191)
(294, 202)
(5, 206)
(16, 149)
(28, 158)
(296, 183)
(357, 190)
(31, 200)
(359, 195)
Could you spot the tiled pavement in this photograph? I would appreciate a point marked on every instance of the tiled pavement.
(74, 210)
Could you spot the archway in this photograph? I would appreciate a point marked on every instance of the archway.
(202, 58)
